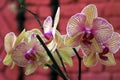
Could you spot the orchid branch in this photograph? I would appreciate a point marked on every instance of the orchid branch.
(35, 15)
(51, 57)
(79, 63)
(61, 61)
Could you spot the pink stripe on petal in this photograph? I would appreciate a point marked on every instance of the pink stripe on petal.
(76, 24)
(102, 29)
(114, 43)
(18, 54)
(90, 12)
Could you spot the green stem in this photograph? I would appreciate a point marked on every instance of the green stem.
(51, 57)
(61, 61)
(79, 63)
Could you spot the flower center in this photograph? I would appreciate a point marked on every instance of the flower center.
(30, 54)
(48, 36)
(87, 37)
(102, 54)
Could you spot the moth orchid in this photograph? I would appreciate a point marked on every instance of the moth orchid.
(89, 31)
(27, 51)
(54, 40)
(10, 41)
(65, 52)
(49, 30)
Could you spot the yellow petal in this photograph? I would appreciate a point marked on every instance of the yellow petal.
(7, 60)
(37, 31)
(9, 41)
(90, 60)
(67, 56)
(59, 40)
(91, 12)
(30, 68)
(72, 41)
(96, 46)
(110, 61)
(20, 37)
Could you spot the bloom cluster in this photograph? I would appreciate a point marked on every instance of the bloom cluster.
(92, 34)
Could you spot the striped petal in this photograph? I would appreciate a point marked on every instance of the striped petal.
(102, 30)
(18, 54)
(73, 41)
(114, 43)
(9, 41)
(47, 25)
(90, 12)
(90, 60)
(76, 24)
(110, 61)
(30, 68)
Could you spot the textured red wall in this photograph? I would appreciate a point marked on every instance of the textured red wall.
(108, 9)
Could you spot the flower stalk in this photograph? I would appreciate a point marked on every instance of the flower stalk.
(79, 63)
(51, 57)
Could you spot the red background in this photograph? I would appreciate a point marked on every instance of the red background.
(108, 9)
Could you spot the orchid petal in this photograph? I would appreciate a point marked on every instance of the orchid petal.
(114, 43)
(59, 40)
(90, 12)
(52, 45)
(110, 61)
(47, 25)
(66, 57)
(96, 46)
(102, 29)
(76, 24)
(20, 37)
(9, 41)
(56, 20)
(37, 31)
(7, 60)
(30, 68)
(18, 54)
(72, 41)
(90, 60)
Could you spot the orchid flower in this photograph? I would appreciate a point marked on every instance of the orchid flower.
(54, 40)
(49, 31)
(89, 31)
(27, 51)
(66, 52)
(10, 41)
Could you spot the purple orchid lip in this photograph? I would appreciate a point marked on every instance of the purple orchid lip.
(30, 54)
(102, 54)
(48, 35)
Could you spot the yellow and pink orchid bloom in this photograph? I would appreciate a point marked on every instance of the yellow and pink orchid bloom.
(91, 32)
(25, 50)
(94, 35)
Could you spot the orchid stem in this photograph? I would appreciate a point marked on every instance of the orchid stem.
(51, 57)
(61, 61)
(35, 15)
(53, 68)
(79, 65)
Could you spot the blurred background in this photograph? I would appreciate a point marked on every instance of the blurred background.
(14, 19)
